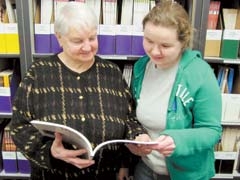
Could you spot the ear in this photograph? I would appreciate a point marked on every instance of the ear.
(59, 38)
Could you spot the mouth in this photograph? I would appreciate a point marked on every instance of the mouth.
(157, 59)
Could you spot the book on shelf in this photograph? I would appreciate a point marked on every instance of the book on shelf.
(214, 9)
(11, 11)
(236, 84)
(76, 138)
(214, 30)
(230, 108)
(223, 86)
(230, 139)
(213, 42)
(237, 26)
(152, 4)
(42, 36)
(2, 12)
(237, 166)
(127, 73)
(9, 152)
(225, 79)
(7, 93)
(140, 9)
(231, 36)
(3, 42)
(137, 39)
(46, 11)
(10, 29)
(123, 39)
(5, 99)
(54, 44)
(230, 44)
(58, 4)
(230, 79)
(8, 144)
(42, 27)
(12, 38)
(109, 12)
(106, 39)
(229, 18)
(96, 5)
(37, 11)
(220, 75)
(10, 161)
(127, 12)
(5, 77)
(23, 163)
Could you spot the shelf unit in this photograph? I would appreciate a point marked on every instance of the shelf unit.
(236, 169)
(215, 61)
(16, 176)
(25, 28)
(225, 156)
(219, 60)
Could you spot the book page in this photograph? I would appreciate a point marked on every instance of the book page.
(69, 134)
(125, 141)
(76, 138)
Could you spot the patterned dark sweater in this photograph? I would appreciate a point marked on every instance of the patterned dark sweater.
(96, 102)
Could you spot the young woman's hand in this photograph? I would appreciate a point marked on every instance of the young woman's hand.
(140, 149)
(165, 145)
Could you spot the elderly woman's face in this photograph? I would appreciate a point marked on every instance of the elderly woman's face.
(80, 44)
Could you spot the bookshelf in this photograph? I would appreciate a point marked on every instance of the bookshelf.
(198, 11)
(217, 57)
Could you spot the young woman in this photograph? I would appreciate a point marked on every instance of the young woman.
(178, 100)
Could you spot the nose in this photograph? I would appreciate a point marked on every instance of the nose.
(86, 46)
(156, 50)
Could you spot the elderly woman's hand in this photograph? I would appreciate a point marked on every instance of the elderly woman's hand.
(69, 156)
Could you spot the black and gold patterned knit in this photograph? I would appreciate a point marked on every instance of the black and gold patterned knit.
(96, 102)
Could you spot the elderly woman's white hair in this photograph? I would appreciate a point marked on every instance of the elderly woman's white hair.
(75, 15)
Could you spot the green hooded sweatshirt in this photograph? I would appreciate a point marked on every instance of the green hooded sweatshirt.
(193, 116)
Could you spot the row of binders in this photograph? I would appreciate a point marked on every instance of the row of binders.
(108, 11)
(223, 32)
(12, 161)
(113, 39)
(119, 32)
(117, 36)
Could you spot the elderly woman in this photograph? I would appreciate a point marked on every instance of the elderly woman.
(78, 89)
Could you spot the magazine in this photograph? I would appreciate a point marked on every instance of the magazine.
(76, 138)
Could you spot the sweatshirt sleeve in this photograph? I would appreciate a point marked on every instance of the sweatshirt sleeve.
(200, 127)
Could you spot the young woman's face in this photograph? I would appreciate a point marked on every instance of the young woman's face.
(80, 45)
(161, 44)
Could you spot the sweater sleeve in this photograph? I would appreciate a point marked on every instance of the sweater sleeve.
(27, 139)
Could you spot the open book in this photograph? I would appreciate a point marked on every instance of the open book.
(76, 138)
